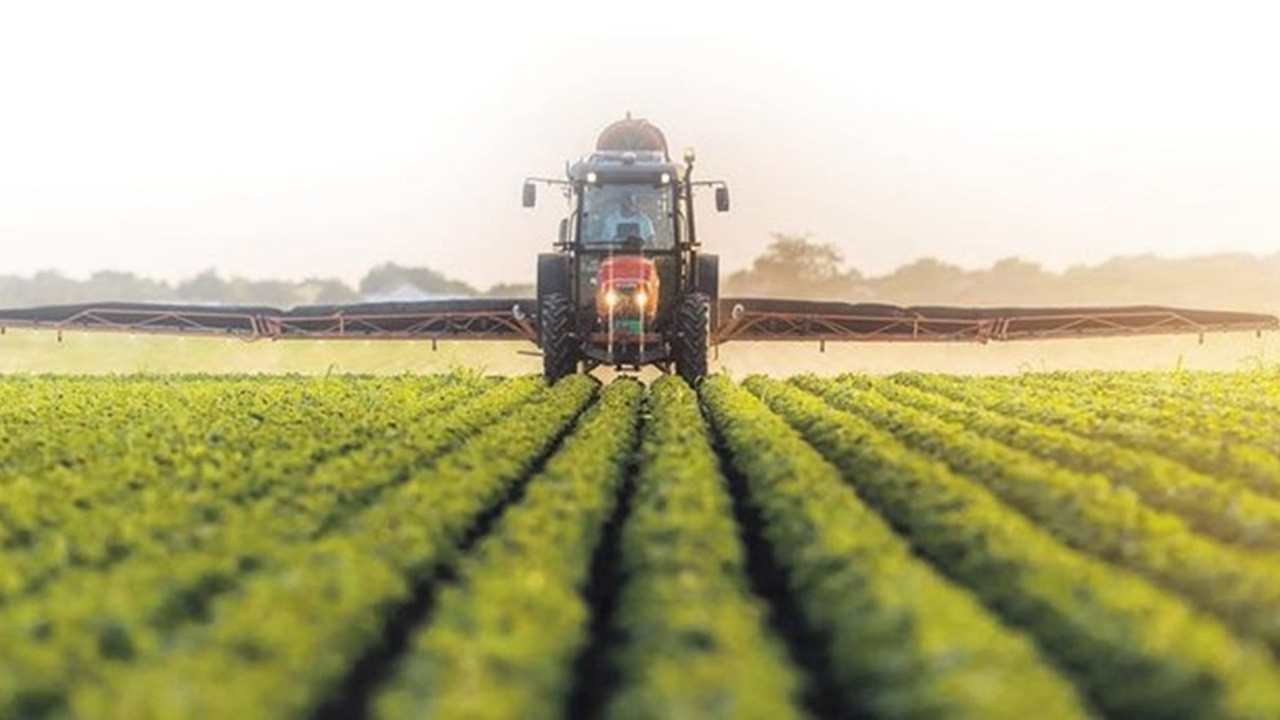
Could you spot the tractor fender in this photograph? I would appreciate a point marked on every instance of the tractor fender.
(706, 280)
(553, 275)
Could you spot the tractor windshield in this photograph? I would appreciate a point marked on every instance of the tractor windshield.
(618, 215)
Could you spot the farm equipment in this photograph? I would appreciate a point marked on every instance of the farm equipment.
(627, 286)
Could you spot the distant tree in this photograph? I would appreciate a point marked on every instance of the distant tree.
(275, 293)
(794, 257)
(50, 287)
(206, 287)
(512, 290)
(1014, 281)
(389, 276)
(125, 287)
(926, 280)
(326, 292)
(13, 291)
(795, 266)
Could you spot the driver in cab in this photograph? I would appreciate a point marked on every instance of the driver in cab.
(628, 222)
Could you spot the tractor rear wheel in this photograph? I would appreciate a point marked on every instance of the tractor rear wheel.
(692, 330)
(555, 328)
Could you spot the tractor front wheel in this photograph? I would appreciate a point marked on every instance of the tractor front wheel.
(692, 331)
(555, 328)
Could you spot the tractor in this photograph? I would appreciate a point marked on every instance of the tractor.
(627, 286)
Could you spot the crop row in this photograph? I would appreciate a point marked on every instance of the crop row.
(1222, 400)
(189, 480)
(1134, 649)
(1210, 506)
(902, 641)
(1090, 513)
(302, 625)
(164, 580)
(1095, 414)
(501, 642)
(144, 616)
(1227, 415)
(695, 639)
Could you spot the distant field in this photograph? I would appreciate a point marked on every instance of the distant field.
(26, 351)
(23, 351)
(461, 545)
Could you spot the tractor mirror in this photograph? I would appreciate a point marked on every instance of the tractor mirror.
(564, 231)
(722, 199)
(530, 196)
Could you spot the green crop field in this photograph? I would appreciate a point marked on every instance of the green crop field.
(1048, 545)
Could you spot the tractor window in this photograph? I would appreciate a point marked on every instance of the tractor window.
(612, 215)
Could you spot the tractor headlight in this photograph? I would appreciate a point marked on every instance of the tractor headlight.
(611, 298)
(642, 299)
(591, 178)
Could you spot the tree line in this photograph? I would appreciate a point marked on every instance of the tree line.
(798, 267)
(386, 281)
(794, 266)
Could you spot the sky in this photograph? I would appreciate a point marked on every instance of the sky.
(275, 139)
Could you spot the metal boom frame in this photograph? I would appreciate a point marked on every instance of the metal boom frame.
(745, 319)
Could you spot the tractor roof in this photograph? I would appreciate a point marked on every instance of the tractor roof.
(629, 150)
(623, 167)
(634, 135)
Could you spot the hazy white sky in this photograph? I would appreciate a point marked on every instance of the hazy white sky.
(274, 139)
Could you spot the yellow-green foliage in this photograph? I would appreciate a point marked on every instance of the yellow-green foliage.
(1208, 505)
(294, 604)
(1136, 650)
(696, 644)
(501, 642)
(903, 641)
(441, 546)
(1218, 451)
(1088, 512)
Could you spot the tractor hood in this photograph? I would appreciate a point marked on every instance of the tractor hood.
(626, 285)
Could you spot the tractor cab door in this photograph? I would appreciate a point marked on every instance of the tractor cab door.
(626, 219)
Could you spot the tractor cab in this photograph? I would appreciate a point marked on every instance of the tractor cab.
(627, 287)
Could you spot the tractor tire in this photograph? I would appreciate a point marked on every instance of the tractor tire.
(691, 339)
(555, 329)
